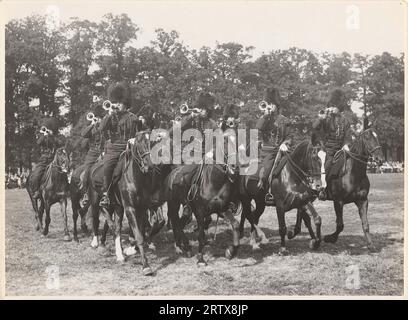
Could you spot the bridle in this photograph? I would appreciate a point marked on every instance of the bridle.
(138, 157)
(54, 164)
(306, 177)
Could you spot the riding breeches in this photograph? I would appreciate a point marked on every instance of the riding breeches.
(268, 156)
(110, 160)
(38, 172)
(90, 159)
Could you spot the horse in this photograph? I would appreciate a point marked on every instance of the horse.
(294, 185)
(54, 188)
(209, 188)
(128, 190)
(352, 184)
(77, 193)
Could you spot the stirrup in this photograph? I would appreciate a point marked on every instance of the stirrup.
(104, 201)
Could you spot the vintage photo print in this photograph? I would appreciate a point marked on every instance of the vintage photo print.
(246, 149)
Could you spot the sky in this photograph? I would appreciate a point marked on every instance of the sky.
(367, 27)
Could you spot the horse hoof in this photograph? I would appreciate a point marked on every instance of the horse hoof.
(120, 259)
(264, 240)
(283, 251)
(37, 227)
(314, 244)
(76, 240)
(330, 239)
(67, 238)
(290, 234)
(130, 251)
(147, 271)
(256, 247)
(372, 248)
(179, 250)
(45, 233)
(229, 253)
(94, 243)
(201, 263)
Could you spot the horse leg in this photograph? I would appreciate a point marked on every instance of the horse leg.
(362, 206)
(181, 242)
(201, 237)
(338, 208)
(294, 231)
(47, 217)
(75, 218)
(38, 226)
(282, 226)
(104, 233)
(318, 224)
(117, 233)
(260, 208)
(232, 251)
(82, 212)
(40, 214)
(63, 205)
(136, 224)
(95, 225)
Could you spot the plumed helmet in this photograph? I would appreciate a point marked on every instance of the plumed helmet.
(205, 101)
(51, 124)
(231, 110)
(119, 93)
(272, 96)
(337, 99)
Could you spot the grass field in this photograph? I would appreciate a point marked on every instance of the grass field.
(84, 271)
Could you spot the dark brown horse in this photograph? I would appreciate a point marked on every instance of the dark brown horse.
(352, 185)
(128, 191)
(54, 188)
(77, 193)
(293, 187)
(214, 192)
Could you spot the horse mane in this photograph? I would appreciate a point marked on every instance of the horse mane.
(300, 150)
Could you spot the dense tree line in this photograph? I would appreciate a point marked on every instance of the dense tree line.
(58, 71)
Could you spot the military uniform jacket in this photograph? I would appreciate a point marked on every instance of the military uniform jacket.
(274, 131)
(336, 129)
(49, 144)
(120, 127)
(93, 133)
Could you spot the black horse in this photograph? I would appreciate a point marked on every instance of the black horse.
(214, 191)
(294, 185)
(351, 185)
(54, 188)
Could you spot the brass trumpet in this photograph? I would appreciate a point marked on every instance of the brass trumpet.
(265, 106)
(91, 117)
(108, 106)
(184, 108)
(44, 130)
(231, 122)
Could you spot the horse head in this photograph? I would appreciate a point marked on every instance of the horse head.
(370, 143)
(61, 160)
(140, 150)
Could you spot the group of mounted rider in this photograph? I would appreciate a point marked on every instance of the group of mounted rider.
(289, 174)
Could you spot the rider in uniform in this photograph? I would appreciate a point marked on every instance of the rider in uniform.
(48, 141)
(120, 125)
(336, 131)
(275, 133)
(96, 144)
(201, 121)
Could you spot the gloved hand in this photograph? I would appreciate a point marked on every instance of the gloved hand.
(142, 119)
(346, 148)
(132, 141)
(283, 147)
(210, 154)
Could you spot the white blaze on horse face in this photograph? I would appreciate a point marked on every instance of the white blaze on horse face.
(322, 155)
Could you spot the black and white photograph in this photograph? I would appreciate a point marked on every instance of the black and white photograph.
(242, 149)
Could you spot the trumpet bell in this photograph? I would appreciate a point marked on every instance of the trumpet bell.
(184, 108)
(90, 116)
(107, 105)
